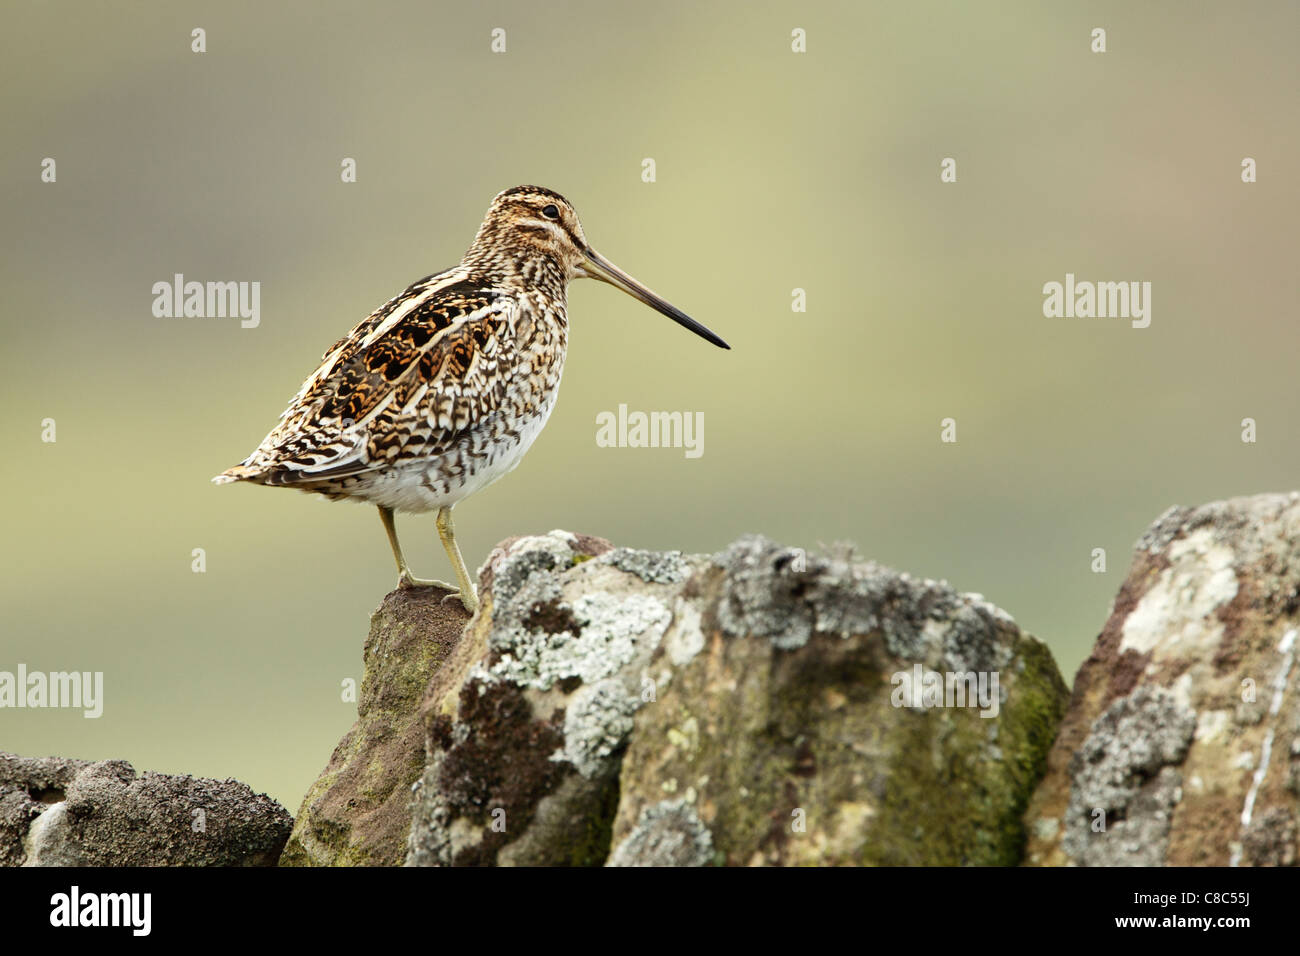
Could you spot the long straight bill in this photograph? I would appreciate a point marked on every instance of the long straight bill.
(601, 268)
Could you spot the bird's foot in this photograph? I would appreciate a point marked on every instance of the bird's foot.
(408, 580)
(468, 598)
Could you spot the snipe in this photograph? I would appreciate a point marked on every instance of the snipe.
(442, 390)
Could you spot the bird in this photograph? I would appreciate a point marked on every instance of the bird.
(441, 391)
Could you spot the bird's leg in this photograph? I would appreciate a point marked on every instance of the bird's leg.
(405, 579)
(447, 533)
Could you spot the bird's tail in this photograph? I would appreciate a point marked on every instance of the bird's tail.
(238, 473)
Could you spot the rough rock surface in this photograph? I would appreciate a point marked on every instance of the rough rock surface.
(58, 812)
(637, 708)
(1183, 733)
(358, 811)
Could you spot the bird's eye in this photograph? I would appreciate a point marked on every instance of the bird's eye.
(551, 212)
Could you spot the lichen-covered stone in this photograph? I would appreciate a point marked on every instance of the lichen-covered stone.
(657, 567)
(668, 833)
(525, 728)
(621, 706)
(57, 812)
(1182, 742)
(358, 812)
(1125, 777)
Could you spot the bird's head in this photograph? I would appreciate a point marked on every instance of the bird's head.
(527, 225)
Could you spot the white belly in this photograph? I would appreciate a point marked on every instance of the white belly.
(424, 485)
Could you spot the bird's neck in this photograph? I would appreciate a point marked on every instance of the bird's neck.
(519, 268)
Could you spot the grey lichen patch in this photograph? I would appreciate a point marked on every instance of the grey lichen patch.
(668, 833)
(525, 558)
(1270, 839)
(653, 567)
(980, 603)
(596, 725)
(1165, 529)
(786, 596)
(539, 637)
(610, 631)
(1125, 775)
(1252, 525)
(968, 637)
(762, 592)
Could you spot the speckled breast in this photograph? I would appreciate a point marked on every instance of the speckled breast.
(511, 393)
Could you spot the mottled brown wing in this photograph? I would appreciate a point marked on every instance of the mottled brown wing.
(404, 383)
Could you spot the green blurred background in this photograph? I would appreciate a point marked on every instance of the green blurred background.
(775, 171)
